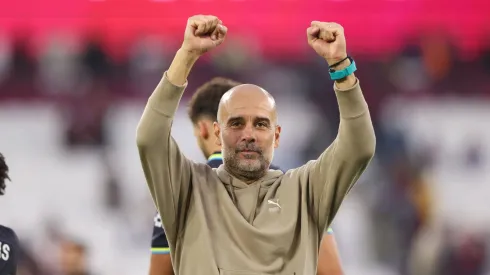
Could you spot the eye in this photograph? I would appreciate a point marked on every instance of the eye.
(235, 124)
(262, 124)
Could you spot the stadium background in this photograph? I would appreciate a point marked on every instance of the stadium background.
(74, 77)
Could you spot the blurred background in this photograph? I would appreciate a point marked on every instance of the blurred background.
(75, 75)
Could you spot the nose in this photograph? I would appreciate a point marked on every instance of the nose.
(248, 134)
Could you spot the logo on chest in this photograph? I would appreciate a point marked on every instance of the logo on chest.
(274, 206)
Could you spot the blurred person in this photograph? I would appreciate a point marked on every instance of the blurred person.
(462, 252)
(86, 117)
(203, 110)
(9, 243)
(95, 59)
(404, 213)
(146, 61)
(416, 209)
(59, 68)
(243, 218)
(73, 259)
(23, 64)
(112, 194)
(426, 252)
(49, 242)
(5, 58)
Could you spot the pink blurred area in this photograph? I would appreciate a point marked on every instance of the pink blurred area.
(377, 26)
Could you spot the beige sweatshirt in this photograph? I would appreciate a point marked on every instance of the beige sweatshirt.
(217, 224)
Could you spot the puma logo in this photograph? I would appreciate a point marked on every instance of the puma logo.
(274, 205)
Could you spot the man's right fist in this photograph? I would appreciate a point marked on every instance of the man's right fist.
(203, 33)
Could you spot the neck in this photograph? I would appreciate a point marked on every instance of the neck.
(247, 177)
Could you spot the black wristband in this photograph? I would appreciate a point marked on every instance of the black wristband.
(338, 63)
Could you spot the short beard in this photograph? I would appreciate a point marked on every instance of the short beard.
(246, 172)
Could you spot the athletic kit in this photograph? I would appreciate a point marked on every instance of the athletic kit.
(9, 251)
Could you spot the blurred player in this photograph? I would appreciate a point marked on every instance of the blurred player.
(73, 258)
(9, 243)
(203, 110)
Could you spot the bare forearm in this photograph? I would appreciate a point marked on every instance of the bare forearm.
(328, 258)
(181, 67)
(161, 265)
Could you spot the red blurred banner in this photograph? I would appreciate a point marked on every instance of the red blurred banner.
(279, 25)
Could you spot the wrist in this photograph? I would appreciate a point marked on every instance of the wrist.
(340, 64)
(346, 83)
(336, 60)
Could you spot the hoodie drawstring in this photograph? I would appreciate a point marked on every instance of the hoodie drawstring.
(232, 191)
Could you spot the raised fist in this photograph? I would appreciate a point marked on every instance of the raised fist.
(328, 40)
(203, 33)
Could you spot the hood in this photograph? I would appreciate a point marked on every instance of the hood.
(247, 197)
(230, 181)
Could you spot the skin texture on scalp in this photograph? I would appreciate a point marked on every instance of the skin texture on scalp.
(246, 93)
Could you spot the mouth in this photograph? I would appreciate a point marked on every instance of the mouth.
(248, 153)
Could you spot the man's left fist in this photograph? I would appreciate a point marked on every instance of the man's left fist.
(328, 40)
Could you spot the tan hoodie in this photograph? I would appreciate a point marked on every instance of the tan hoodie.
(217, 224)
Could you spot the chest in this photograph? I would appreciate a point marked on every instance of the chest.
(253, 220)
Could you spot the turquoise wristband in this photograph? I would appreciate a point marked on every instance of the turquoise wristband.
(336, 75)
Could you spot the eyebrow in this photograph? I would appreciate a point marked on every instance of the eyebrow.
(264, 119)
(235, 118)
(256, 119)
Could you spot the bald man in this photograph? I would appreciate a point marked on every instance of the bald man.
(243, 218)
(203, 112)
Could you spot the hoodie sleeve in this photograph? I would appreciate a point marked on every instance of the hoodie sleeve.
(329, 178)
(167, 170)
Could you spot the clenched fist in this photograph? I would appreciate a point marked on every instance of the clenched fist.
(328, 40)
(203, 33)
